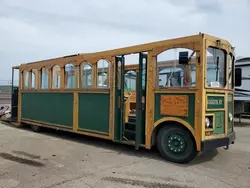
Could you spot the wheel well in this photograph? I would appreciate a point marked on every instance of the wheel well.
(168, 123)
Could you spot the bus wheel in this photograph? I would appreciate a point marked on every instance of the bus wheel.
(176, 144)
(35, 128)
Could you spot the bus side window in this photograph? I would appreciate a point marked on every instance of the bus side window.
(173, 74)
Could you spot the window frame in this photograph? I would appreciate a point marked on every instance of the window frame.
(191, 65)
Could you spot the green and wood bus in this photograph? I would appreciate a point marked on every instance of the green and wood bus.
(176, 94)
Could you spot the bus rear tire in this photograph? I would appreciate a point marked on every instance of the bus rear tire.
(35, 128)
(176, 144)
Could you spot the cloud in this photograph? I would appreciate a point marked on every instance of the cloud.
(32, 31)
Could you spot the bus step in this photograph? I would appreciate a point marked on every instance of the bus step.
(129, 131)
(132, 119)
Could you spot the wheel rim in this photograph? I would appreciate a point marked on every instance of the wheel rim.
(176, 143)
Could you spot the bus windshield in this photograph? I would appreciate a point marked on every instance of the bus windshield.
(216, 68)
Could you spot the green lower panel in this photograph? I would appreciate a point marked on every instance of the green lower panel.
(230, 110)
(219, 122)
(55, 108)
(94, 112)
(191, 107)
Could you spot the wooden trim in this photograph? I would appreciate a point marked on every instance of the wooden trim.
(19, 109)
(200, 96)
(67, 91)
(77, 78)
(94, 75)
(188, 45)
(75, 112)
(29, 80)
(150, 99)
(165, 119)
(226, 113)
(38, 79)
(41, 123)
(113, 83)
(93, 134)
(112, 99)
(176, 91)
(92, 131)
(62, 78)
(215, 136)
(50, 78)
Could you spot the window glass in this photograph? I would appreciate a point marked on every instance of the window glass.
(130, 81)
(69, 76)
(45, 78)
(144, 74)
(56, 77)
(119, 74)
(216, 71)
(26, 79)
(173, 74)
(102, 69)
(86, 75)
(33, 79)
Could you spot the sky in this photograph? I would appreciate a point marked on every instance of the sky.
(36, 30)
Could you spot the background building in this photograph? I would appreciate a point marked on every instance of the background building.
(242, 93)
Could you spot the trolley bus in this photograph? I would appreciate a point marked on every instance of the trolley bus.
(176, 94)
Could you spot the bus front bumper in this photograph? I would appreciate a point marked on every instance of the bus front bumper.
(218, 142)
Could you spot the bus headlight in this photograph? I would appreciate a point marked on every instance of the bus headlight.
(209, 122)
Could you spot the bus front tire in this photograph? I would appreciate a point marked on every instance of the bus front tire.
(176, 144)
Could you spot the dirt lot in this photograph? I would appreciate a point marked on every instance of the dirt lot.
(61, 160)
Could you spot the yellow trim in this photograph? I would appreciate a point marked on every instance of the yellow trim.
(92, 131)
(41, 123)
(112, 98)
(186, 90)
(150, 99)
(165, 119)
(226, 114)
(19, 110)
(75, 112)
(65, 128)
(93, 135)
(65, 91)
(215, 136)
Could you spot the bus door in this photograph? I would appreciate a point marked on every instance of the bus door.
(132, 130)
(119, 98)
(141, 83)
(14, 94)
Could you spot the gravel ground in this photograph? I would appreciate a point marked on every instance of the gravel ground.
(55, 159)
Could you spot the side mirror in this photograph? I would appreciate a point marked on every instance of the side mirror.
(183, 58)
(238, 77)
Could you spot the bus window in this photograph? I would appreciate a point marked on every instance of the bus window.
(103, 71)
(44, 78)
(26, 79)
(130, 81)
(86, 75)
(33, 79)
(216, 68)
(56, 77)
(173, 74)
(69, 76)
